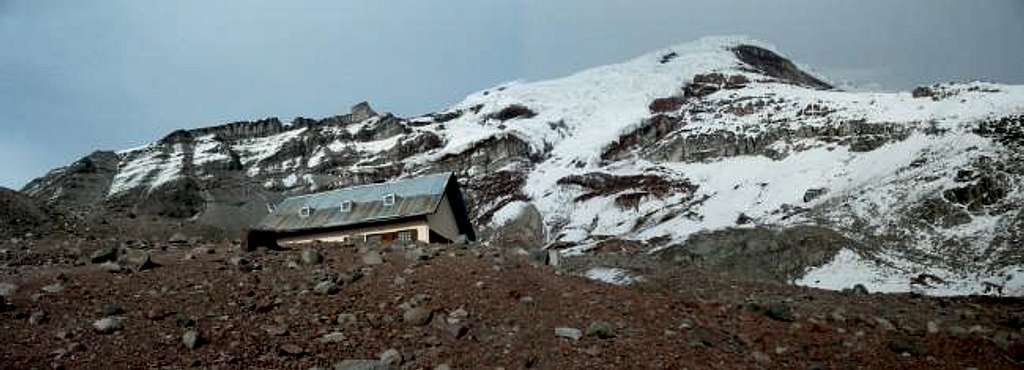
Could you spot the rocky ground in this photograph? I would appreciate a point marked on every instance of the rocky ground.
(188, 304)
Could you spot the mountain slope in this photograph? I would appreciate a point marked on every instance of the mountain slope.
(710, 139)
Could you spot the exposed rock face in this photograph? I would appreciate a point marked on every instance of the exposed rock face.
(771, 64)
(759, 253)
(20, 214)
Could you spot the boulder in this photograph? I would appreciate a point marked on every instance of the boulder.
(417, 316)
(108, 325)
(326, 287)
(519, 224)
(136, 260)
(601, 329)
(191, 339)
(311, 256)
(105, 254)
(178, 238)
(568, 333)
(391, 357)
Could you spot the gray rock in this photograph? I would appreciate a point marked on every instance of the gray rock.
(105, 254)
(372, 258)
(417, 316)
(391, 357)
(38, 317)
(7, 289)
(108, 325)
(345, 319)
(885, 324)
(136, 260)
(601, 329)
(361, 365)
(54, 288)
(812, 194)
(933, 327)
(311, 256)
(525, 230)
(112, 310)
(178, 238)
(442, 367)
(326, 287)
(335, 337)
(570, 333)
(192, 340)
(111, 267)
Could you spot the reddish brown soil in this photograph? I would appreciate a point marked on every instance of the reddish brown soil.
(676, 319)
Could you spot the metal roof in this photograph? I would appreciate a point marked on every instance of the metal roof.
(413, 197)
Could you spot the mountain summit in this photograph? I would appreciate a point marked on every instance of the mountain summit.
(719, 152)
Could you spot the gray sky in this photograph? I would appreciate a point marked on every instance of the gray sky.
(77, 76)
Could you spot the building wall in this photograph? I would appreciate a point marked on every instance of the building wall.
(421, 226)
(443, 221)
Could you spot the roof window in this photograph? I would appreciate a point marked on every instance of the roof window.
(346, 206)
(306, 211)
(389, 200)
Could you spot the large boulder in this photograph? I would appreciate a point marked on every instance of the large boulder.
(518, 224)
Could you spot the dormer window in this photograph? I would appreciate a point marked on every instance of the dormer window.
(306, 211)
(346, 206)
(389, 200)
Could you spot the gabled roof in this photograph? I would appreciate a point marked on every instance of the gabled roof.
(414, 197)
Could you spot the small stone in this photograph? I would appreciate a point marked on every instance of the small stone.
(601, 329)
(276, 330)
(291, 350)
(54, 288)
(311, 256)
(7, 289)
(345, 319)
(908, 345)
(391, 357)
(570, 333)
(112, 310)
(417, 316)
(779, 311)
(459, 314)
(192, 339)
(361, 365)
(326, 287)
(335, 337)
(178, 238)
(933, 327)
(885, 324)
(527, 300)
(442, 367)
(108, 325)
(111, 267)
(761, 357)
(372, 258)
(37, 318)
(183, 321)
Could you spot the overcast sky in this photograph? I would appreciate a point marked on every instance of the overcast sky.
(78, 76)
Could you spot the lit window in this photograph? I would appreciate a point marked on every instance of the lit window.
(407, 235)
(306, 211)
(389, 200)
(346, 206)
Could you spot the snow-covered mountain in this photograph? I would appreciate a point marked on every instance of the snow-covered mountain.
(718, 135)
